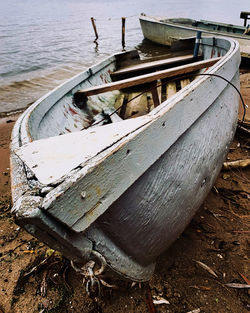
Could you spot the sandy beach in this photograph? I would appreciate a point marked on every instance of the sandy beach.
(35, 279)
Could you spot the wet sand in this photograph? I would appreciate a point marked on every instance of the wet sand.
(218, 236)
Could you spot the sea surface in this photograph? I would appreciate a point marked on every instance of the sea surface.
(45, 42)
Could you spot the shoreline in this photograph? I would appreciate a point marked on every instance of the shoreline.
(6, 125)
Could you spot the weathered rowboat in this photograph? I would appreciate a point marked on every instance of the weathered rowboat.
(165, 31)
(122, 192)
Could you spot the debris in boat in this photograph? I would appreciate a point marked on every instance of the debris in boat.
(207, 268)
(236, 164)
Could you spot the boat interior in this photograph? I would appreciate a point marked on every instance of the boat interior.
(124, 88)
(143, 84)
(121, 87)
(208, 25)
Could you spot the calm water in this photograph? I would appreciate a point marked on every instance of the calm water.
(44, 42)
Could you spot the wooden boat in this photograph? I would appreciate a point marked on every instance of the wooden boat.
(99, 177)
(165, 31)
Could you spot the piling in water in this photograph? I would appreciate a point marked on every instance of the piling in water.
(123, 32)
(94, 27)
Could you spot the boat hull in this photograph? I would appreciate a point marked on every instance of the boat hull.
(148, 187)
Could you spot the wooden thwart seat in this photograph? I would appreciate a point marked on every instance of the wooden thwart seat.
(152, 65)
(146, 78)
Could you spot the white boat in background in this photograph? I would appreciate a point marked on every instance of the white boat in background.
(97, 176)
(165, 31)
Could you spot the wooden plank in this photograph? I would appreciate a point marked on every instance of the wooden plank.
(185, 82)
(150, 103)
(124, 106)
(147, 78)
(154, 93)
(163, 90)
(153, 64)
(170, 89)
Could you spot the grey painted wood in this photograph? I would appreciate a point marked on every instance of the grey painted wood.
(166, 31)
(52, 158)
(132, 199)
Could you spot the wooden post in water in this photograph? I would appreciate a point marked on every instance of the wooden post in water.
(123, 32)
(94, 27)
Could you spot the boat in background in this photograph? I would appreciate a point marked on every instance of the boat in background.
(166, 31)
(112, 165)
